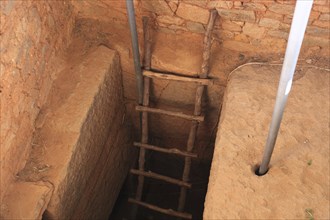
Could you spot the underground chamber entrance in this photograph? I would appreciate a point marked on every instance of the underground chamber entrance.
(163, 194)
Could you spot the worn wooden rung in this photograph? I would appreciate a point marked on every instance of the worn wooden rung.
(166, 76)
(161, 177)
(170, 113)
(161, 210)
(166, 150)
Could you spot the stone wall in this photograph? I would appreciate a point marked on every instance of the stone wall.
(34, 35)
(256, 26)
(244, 26)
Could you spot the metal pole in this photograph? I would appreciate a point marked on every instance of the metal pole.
(135, 47)
(298, 27)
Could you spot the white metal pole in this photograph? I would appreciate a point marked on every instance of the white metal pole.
(298, 27)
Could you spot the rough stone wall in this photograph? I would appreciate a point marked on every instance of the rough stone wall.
(33, 37)
(247, 25)
(269, 28)
(258, 26)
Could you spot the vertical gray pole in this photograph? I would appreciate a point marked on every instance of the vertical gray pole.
(135, 47)
(137, 66)
(297, 31)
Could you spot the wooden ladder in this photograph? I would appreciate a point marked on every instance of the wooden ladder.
(195, 119)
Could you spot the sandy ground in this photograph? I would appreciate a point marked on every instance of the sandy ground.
(297, 184)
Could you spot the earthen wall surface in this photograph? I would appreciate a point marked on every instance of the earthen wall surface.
(297, 184)
(34, 35)
(82, 145)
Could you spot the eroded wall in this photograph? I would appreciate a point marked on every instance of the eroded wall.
(34, 35)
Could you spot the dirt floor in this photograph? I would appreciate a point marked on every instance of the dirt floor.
(297, 184)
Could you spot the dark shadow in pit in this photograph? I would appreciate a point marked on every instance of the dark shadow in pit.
(165, 194)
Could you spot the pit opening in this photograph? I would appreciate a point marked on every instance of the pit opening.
(256, 171)
(173, 132)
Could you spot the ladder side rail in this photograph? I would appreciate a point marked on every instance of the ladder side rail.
(143, 115)
(198, 106)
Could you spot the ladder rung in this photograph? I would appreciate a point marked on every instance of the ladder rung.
(166, 150)
(170, 113)
(166, 76)
(161, 210)
(161, 177)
